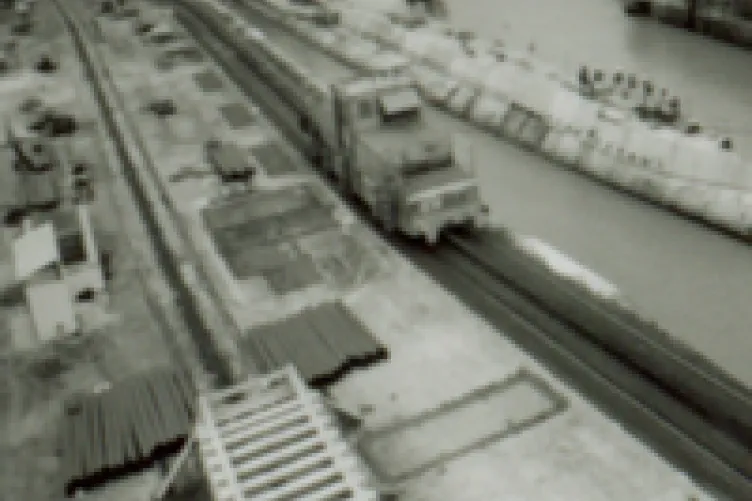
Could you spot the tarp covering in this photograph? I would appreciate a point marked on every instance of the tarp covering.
(122, 429)
(712, 162)
(323, 342)
(434, 47)
(612, 133)
(587, 115)
(502, 80)
(639, 139)
(565, 107)
(663, 144)
(535, 92)
(471, 69)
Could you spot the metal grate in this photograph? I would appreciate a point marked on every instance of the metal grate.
(271, 438)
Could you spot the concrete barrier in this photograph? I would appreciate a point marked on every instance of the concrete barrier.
(535, 92)
(564, 145)
(610, 136)
(726, 208)
(501, 80)
(488, 111)
(514, 121)
(534, 131)
(462, 98)
(471, 69)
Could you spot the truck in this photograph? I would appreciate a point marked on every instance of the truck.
(387, 156)
(367, 132)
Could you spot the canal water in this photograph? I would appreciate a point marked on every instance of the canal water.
(692, 281)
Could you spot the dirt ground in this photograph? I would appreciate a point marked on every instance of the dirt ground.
(131, 331)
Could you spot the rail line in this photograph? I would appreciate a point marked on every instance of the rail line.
(698, 418)
(201, 314)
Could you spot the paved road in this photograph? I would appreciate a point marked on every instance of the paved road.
(692, 281)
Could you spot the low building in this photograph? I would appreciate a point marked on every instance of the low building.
(51, 310)
(37, 266)
(56, 261)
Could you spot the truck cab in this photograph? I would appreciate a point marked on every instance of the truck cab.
(404, 170)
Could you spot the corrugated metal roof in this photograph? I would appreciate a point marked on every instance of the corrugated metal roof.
(106, 434)
(51, 310)
(35, 250)
(323, 342)
(272, 438)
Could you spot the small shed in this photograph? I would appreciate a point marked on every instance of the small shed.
(34, 251)
(51, 310)
(139, 420)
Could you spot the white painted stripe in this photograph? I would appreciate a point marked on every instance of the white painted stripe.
(564, 265)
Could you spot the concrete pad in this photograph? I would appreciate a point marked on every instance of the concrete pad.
(489, 414)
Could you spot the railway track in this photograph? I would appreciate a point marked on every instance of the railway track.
(693, 414)
(200, 313)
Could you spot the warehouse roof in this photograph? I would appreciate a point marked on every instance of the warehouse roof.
(324, 342)
(272, 438)
(120, 430)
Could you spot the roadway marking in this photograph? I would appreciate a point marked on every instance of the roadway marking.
(563, 265)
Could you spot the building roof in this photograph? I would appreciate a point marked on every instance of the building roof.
(34, 250)
(323, 342)
(126, 425)
(272, 438)
(51, 309)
